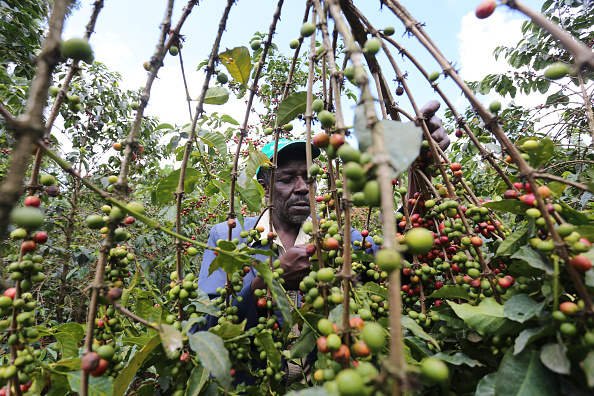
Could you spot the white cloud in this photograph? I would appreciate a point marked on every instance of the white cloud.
(478, 38)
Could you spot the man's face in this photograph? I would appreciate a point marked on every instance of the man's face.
(291, 200)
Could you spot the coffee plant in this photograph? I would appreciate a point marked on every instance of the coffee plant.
(468, 271)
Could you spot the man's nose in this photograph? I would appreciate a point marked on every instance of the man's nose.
(301, 185)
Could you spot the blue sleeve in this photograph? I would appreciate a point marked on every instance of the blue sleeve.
(356, 236)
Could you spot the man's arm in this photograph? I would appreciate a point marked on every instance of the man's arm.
(438, 133)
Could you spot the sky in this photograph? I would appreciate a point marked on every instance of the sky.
(127, 32)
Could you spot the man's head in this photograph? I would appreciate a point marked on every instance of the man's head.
(290, 200)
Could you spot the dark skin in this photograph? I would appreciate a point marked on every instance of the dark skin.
(291, 205)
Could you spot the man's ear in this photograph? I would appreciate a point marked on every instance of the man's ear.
(265, 186)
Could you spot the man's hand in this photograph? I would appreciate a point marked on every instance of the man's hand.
(295, 264)
(436, 129)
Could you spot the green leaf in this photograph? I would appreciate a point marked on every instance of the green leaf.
(252, 195)
(544, 152)
(304, 345)
(228, 119)
(238, 62)
(450, 291)
(171, 339)
(163, 126)
(361, 130)
(282, 302)
(60, 385)
(168, 185)
(524, 375)
(213, 355)
(272, 352)
(418, 347)
(125, 377)
(142, 307)
(98, 386)
(457, 358)
(586, 232)
(71, 363)
(588, 367)
(513, 242)
(573, 216)
(486, 318)
(290, 107)
(67, 344)
(486, 386)
(126, 292)
(403, 143)
(277, 292)
(315, 391)
(216, 96)
(409, 324)
(554, 357)
(374, 289)
(527, 336)
(508, 205)
(254, 161)
(534, 259)
(229, 330)
(216, 140)
(522, 308)
(74, 329)
(197, 379)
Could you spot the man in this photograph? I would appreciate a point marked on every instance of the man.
(291, 209)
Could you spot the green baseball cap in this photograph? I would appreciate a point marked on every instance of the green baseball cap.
(268, 149)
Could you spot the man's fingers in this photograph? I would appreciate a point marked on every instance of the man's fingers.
(430, 108)
(434, 123)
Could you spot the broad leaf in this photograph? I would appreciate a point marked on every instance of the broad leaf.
(277, 292)
(530, 335)
(534, 259)
(402, 142)
(409, 324)
(546, 149)
(513, 242)
(315, 391)
(374, 289)
(486, 318)
(216, 96)
(98, 386)
(508, 205)
(125, 377)
(238, 62)
(215, 140)
(573, 216)
(524, 375)
(362, 132)
(450, 291)
(68, 344)
(588, 367)
(74, 329)
(554, 357)
(252, 195)
(586, 232)
(197, 379)
(229, 330)
(213, 355)
(267, 343)
(457, 358)
(486, 386)
(255, 160)
(304, 345)
(171, 339)
(71, 363)
(168, 185)
(521, 308)
(290, 107)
